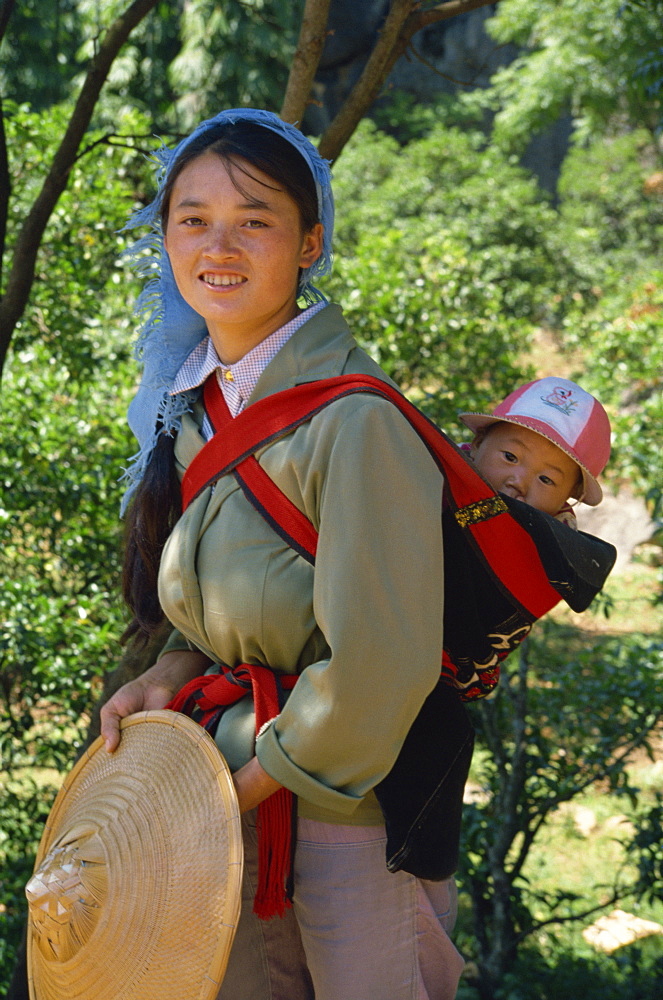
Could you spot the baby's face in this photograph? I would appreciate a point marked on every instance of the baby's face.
(525, 465)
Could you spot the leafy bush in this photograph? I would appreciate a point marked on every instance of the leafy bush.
(611, 208)
(561, 973)
(646, 850)
(450, 185)
(440, 328)
(239, 50)
(445, 261)
(622, 346)
(61, 453)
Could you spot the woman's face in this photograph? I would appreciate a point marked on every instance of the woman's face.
(236, 254)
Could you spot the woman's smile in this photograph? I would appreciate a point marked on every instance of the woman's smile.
(222, 280)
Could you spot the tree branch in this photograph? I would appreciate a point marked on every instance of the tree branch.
(404, 19)
(446, 10)
(445, 76)
(369, 84)
(305, 60)
(6, 8)
(113, 139)
(22, 273)
(511, 791)
(615, 897)
(5, 190)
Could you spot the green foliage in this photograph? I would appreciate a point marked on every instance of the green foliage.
(62, 449)
(561, 973)
(138, 79)
(445, 260)
(184, 62)
(611, 222)
(563, 719)
(407, 118)
(236, 49)
(62, 446)
(39, 53)
(623, 343)
(48, 44)
(599, 61)
(176, 64)
(646, 850)
(441, 328)
(611, 207)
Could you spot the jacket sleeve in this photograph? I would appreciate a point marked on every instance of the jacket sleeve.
(176, 643)
(378, 600)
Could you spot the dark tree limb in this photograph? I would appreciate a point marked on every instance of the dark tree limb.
(305, 60)
(370, 82)
(6, 8)
(5, 190)
(405, 19)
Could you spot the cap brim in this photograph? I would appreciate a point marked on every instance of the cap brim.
(475, 421)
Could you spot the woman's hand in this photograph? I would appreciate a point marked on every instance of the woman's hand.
(153, 689)
(253, 785)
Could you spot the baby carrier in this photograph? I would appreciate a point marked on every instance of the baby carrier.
(506, 565)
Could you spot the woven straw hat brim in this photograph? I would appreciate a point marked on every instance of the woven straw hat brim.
(140, 865)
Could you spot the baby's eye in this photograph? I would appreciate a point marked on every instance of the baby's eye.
(509, 456)
(546, 480)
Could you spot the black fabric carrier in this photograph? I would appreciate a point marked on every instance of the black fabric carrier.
(506, 564)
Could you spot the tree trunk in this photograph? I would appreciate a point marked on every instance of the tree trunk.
(405, 19)
(496, 961)
(6, 8)
(305, 60)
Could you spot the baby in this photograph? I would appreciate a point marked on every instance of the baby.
(544, 443)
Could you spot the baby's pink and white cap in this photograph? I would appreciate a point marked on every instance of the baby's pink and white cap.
(565, 414)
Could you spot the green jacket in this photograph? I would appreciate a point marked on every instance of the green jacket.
(364, 629)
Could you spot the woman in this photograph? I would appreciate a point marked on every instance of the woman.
(245, 218)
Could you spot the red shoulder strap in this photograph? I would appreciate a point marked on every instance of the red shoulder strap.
(259, 488)
(509, 551)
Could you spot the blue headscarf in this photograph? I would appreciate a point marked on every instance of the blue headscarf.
(171, 328)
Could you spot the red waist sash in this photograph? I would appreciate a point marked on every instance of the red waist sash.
(204, 699)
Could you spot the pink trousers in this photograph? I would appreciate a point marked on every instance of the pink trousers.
(355, 931)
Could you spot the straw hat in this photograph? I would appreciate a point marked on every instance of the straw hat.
(136, 890)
